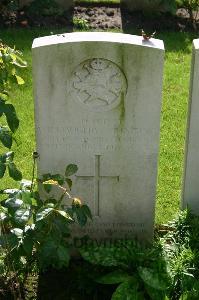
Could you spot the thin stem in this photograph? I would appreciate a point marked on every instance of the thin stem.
(35, 156)
(10, 266)
(62, 196)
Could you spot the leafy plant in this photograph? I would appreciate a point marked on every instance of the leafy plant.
(169, 5)
(181, 252)
(168, 269)
(81, 24)
(37, 231)
(192, 7)
(139, 271)
(45, 8)
(10, 61)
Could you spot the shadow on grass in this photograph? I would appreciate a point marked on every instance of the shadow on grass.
(178, 41)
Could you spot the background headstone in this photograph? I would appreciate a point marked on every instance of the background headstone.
(191, 175)
(144, 5)
(97, 104)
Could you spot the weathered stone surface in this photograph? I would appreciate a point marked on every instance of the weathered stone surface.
(144, 5)
(97, 104)
(66, 4)
(191, 175)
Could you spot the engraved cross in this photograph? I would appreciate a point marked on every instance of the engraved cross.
(96, 178)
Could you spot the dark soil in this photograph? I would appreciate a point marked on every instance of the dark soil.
(77, 282)
(102, 17)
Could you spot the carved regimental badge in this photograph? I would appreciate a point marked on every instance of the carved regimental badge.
(99, 84)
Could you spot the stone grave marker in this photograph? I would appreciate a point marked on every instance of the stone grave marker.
(97, 104)
(144, 5)
(191, 173)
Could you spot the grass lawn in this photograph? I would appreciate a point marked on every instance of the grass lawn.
(173, 120)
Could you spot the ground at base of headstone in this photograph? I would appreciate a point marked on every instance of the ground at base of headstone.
(168, 269)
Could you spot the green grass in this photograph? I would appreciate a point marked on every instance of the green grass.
(173, 119)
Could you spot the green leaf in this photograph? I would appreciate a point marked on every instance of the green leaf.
(64, 214)
(153, 278)
(63, 256)
(22, 215)
(6, 137)
(18, 61)
(47, 187)
(34, 202)
(9, 241)
(114, 277)
(11, 117)
(3, 214)
(52, 253)
(86, 210)
(13, 203)
(81, 217)
(28, 244)
(14, 172)
(156, 294)
(71, 170)
(128, 290)
(25, 184)
(2, 105)
(44, 213)
(59, 178)
(7, 157)
(3, 158)
(69, 182)
(99, 253)
(47, 252)
(62, 226)
(19, 79)
(26, 197)
(2, 169)
(18, 232)
(11, 192)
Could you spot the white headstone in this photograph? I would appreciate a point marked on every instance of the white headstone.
(97, 104)
(191, 175)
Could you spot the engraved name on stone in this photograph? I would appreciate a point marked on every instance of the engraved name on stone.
(90, 138)
(99, 84)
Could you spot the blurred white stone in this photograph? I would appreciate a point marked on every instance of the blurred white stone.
(191, 175)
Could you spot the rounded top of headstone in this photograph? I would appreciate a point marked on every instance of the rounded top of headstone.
(108, 37)
(196, 43)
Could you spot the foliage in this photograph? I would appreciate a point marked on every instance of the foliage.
(168, 269)
(10, 62)
(191, 6)
(37, 231)
(169, 5)
(80, 24)
(8, 11)
(139, 271)
(181, 249)
(45, 8)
